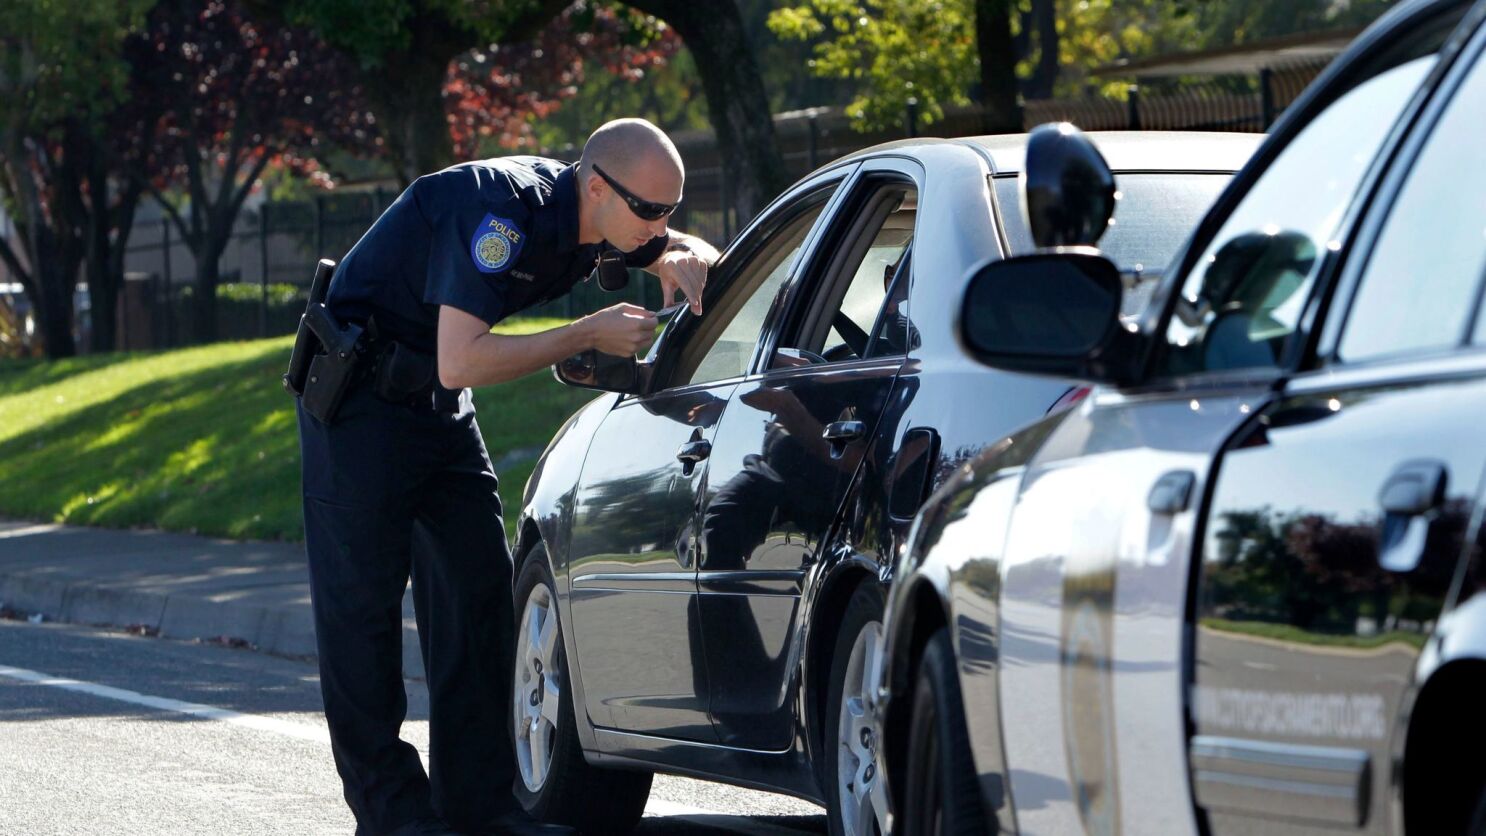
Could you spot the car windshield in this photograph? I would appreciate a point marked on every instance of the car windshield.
(1155, 214)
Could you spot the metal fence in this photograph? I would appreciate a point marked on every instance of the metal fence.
(268, 262)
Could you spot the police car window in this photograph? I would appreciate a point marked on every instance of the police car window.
(1419, 287)
(1243, 298)
(1155, 214)
(727, 334)
(854, 290)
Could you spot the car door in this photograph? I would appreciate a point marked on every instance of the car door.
(789, 442)
(1338, 517)
(633, 569)
(1096, 576)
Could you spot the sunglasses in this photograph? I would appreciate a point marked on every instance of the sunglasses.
(645, 210)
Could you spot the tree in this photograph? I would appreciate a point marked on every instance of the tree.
(236, 95)
(421, 37)
(60, 78)
(494, 93)
(899, 50)
(401, 51)
(736, 102)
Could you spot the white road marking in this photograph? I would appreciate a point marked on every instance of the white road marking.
(28, 530)
(315, 734)
(319, 734)
(718, 821)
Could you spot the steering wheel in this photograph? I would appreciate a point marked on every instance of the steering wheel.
(786, 357)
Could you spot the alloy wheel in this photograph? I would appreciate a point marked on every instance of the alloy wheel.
(536, 692)
(859, 788)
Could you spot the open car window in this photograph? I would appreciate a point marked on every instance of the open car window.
(855, 289)
(722, 341)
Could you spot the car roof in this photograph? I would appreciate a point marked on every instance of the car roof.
(1123, 150)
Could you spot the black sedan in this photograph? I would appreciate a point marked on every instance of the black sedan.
(1237, 589)
(702, 552)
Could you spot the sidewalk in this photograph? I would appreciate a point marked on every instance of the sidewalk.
(176, 585)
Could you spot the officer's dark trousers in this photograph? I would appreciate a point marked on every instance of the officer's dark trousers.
(392, 490)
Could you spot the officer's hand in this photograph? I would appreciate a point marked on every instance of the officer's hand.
(683, 270)
(622, 329)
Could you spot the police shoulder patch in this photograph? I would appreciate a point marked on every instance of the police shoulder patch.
(495, 244)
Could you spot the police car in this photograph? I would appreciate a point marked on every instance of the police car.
(1237, 589)
(702, 550)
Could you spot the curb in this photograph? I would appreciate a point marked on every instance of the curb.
(281, 631)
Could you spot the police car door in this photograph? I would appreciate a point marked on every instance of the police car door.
(636, 624)
(1098, 557)
(1338, 517)
(789, 444)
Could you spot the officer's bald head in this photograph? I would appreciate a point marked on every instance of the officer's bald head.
(637, 154)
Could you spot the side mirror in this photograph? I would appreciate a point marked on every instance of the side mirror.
(1068, 191)
(593, 369)
(1053, 313)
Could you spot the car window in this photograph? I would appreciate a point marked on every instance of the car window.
(1155, 214)
(727, 334)
(1244, 295)
(853, 291)
(1419, 288)
(895, 333)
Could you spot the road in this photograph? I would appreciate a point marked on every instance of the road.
(102, 732)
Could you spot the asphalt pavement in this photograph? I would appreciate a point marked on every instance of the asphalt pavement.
(212, 599)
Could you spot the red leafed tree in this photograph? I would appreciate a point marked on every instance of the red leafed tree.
(235, 94)
(494, 92)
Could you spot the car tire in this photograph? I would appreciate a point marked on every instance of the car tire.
(941, 792)
(854, 790)
(553, 780)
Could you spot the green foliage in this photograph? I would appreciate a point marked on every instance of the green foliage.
(1095, 33)
(374, 30)
(899, 50)
(204, 439)
(279, 293)
(61, 58)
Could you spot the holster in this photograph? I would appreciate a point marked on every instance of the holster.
(323, 364)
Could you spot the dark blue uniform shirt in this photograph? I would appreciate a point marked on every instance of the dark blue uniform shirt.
(490, 238)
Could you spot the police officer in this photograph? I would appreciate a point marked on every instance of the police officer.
(398, 482)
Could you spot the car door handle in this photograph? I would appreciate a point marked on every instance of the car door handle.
(1172, 493)
(1414, 489)
(691, 453)
(840, 432)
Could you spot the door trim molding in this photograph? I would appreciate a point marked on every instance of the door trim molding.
(1262, 778)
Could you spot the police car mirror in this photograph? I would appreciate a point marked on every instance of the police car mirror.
(612, 272)
(1068, 191)
(1053, 313)
(594, 369)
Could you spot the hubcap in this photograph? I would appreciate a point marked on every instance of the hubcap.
(862, 798)
(536, 693)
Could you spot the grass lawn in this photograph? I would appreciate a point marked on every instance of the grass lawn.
(204, 439)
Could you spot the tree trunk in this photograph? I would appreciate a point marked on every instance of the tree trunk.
(204, 295)
(122, 221)
(55, 275)
(997, 51)
(736, 103)
(1045, 74)
(407, 96)
(103, 292)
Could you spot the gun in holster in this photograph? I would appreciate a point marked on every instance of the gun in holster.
(323, 363)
